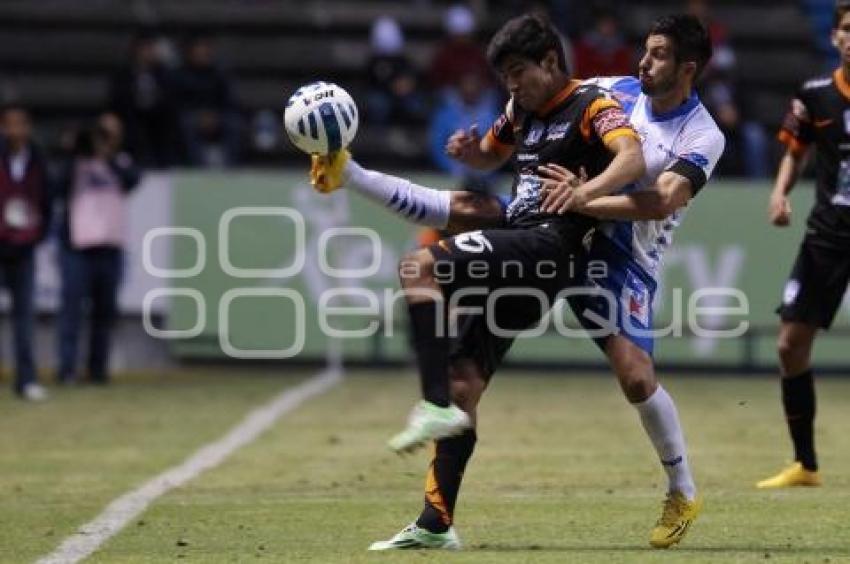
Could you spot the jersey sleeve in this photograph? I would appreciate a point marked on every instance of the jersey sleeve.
(699, 151)
(500, 136)
(605, 119)
(797, 131)
(624, 89)
(606, 82)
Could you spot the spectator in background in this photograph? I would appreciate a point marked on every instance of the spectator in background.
(459, 54)
(24, 219)
(142, 95)
(208, 115)
(746, 141)
(94, 189)
(470, 102)
(603, 51)
(394, 94)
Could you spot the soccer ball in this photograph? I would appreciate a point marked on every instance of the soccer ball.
(320, 118)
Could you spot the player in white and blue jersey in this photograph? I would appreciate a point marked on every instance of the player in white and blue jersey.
(681, 146)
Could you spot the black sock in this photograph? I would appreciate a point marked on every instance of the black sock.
(432, 351)
(443, 482)
(798, 398)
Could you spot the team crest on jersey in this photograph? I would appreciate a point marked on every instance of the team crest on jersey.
(798, 109)
(535, 133)
(636, 295)
(558, 131)
(789, 293)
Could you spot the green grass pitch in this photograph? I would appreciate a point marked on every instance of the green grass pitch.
(562, 472)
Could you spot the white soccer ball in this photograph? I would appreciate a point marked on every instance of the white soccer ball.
(320, 118)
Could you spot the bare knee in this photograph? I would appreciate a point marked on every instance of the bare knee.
(794, 347)
(416, 269)
(467, 385)
(634, 369)
(637, 382)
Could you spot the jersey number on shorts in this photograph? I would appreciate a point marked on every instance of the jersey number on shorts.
(473, 242)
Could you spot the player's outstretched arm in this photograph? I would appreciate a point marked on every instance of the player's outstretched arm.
(790, 168)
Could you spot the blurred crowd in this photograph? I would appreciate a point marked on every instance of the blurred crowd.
(177, 113)
(80, 201)
(456, 89)
(174, 104)
(178, 105)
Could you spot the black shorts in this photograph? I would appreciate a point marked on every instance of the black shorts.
(814, 291)
(504, 281)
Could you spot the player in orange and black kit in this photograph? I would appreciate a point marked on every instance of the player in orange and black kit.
(531, 258)
(818, 119)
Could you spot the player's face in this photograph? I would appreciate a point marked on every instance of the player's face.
(841, 38)
(530, 84)
(658, 70)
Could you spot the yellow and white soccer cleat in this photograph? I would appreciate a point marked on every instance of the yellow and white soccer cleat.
(794, 475)
(326, 171)
(677, 516)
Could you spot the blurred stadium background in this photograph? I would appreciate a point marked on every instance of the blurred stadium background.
(208, 135)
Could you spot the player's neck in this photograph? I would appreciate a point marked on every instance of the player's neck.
(845, 72)
(559, 84)
(663, 103)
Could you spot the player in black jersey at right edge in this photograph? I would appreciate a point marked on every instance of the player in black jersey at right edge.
(818, 117)
(529, 260)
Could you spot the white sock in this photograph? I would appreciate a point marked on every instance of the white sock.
(661, 422)
(417, 204)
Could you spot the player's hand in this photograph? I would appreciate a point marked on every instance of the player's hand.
(559, 187)
(779, 210)
(464, 146)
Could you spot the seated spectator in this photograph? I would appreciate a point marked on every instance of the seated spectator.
(395, 94)
(24, 220)
(603, 51)
(209, 118)
(142, 95)
(459, 54)
(746, 152)
(471, 102)
(94, 189)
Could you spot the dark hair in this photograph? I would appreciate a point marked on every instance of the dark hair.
(84, 141)
(841, 8)
(87, 139)
(691, 41)
(530, 36)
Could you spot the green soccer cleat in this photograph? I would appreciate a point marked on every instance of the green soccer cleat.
(417, 538)
(428, 422)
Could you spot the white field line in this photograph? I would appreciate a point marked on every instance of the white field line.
(89, 537)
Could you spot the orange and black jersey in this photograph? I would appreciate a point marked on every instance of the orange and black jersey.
(820, 116)
(573, 130)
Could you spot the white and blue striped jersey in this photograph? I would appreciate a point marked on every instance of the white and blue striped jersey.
(684, 140)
